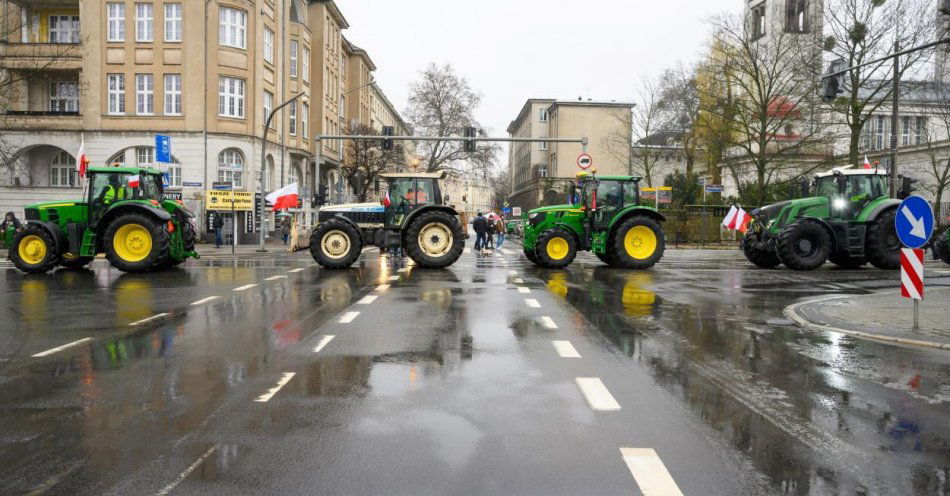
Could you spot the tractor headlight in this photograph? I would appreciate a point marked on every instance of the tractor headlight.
(839, 204)
(535, 218)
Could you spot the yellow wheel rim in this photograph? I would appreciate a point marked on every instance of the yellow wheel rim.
(32, 249)
(435, 239)
(557, 248)
(132, 243)
(640, 242)
(336, 244)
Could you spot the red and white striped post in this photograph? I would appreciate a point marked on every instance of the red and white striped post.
(912, 279)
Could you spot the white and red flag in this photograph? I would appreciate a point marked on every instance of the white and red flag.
(737, 219)
(284, 198)
(135, 181)
(386, 201)
(82, 162)
(867, 163)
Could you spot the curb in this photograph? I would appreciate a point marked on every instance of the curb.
(791, 312)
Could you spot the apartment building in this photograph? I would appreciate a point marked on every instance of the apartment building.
(114, 74)
(541, 172)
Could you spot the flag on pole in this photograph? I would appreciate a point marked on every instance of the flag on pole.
(867, 163)
(386, 201)
(82, 162)
(737, 219)
(284, 198)
(134, 181)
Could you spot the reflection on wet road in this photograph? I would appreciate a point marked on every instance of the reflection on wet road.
(491, 377)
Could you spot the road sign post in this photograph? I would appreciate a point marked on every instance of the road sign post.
(915, 225)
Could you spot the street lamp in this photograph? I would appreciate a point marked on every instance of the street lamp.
(260, 183)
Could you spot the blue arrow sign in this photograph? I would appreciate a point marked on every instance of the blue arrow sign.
(915, 222)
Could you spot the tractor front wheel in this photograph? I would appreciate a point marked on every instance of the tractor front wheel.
(71, 261)
(760, 257)
(529, 254)
(637, 244)
(335, 244)
(136, 243)
(556, 248)
(434, 240)
(883, 245)
(34, 250)
(804, 245)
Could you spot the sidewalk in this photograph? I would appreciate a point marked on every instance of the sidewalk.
(882, 316)
(273, 247)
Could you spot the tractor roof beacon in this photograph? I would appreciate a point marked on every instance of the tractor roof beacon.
(413, 215)
(849, 221)
(603, 215)
(123, 213)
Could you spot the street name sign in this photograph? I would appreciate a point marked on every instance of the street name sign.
(584, 161)
(714, 188)
(221, 185)
(914, 222)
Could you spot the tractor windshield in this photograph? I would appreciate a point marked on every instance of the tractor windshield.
(856, 187)
(117, 186)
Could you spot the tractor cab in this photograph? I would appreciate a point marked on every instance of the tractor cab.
(850, 190)
(108, 186)
(406, 193)
(603, 197)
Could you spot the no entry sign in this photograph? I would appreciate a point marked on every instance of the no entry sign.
(584, 161)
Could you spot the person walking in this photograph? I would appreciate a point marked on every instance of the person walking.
(499, 231)
(285, 229)
(480, 225)
(217, 224)
(489, 233)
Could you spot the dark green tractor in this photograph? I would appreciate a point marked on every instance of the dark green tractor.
(123, 214)
(941, 245)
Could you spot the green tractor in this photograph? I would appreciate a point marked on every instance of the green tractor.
(412, 216)
(122, 215)
(941, 245)
(849, 221)
(604, 216)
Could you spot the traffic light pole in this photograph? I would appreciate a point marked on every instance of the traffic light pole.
(263, 207)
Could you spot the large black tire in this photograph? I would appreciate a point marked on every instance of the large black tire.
(555, 249)
(188, 235)
(762, 258)
(942, 246)
(74, 261)
(804, 245)
(883, 246)
(638, 243)
(529, 254)
(434, 239)
(603, 257)
(335, 244)
(38, 251)
(125, 236)
(846, 261)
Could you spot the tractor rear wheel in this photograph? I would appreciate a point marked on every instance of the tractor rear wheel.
(434, 240)
(556, 248)
(71, 261)
(804, 245)
(883, 245)
(335, 244)
(136, 243)
(34, 250)
(760, 257)
(846, 261)
(637, 244)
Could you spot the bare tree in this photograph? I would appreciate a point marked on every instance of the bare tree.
(935, 138)
(860, 31)
(679, 104)
(441, 103)
(713, 129)
(641, 125)
(365, 160)
(500, 180)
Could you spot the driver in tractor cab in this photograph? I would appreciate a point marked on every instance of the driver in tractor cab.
(114, 191)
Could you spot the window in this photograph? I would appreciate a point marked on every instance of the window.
(879, 132)
(305, 67)
(268, 45)
(293, 58)
(144, 15)
(905, 131)
(174, 174)
(116, 21)
(144, 94)
(543, 115)
(173, 22)
(268, 105)
(63, 96)
(920, 130)
(304, 109)
(543, 145)
(293, 118)
(758, 21)
(232, 27)
(172, 94)
(796, 16)
(231, 97)
(62, 170)
(116, 94)
(144, 156)
(63, 29)
(542, 170)
(231, 167)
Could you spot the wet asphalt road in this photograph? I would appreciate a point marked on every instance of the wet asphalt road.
(273, 376)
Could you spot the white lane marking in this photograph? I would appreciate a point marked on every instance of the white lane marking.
(274, 278)
(148, 319)
(522, 289)
(404, 269)
(61, 348)
(518, 280)
(382, 287)
(393, 278)
(348, 317)
(565, 349)
(313, 265)
(325, 340)
(246, 286)
(596, 394)
(205, 300)
(649, 472)
(184, 475)
(467, 250)
(272, 391)
(512, 272)
(368, 299)
(532, 303)
(294, 271)
(548, 322)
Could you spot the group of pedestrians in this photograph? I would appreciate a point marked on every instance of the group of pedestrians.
(489, 232)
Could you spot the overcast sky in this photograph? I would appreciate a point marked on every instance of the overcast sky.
(511, 50)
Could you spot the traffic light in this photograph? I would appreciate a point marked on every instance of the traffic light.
(388, 143)
(470, 144)
(831, 88)
(320, 198)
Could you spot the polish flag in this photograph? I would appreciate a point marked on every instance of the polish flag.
(284, 198)
(83, 162)
(386, 201)
(134, 181)
(737, 219)
(867, 163)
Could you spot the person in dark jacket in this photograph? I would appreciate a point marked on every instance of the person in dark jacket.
(480, 225)
(217, 224)
(10, 220)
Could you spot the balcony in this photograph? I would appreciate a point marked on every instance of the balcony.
(41, 56)
(30, 120)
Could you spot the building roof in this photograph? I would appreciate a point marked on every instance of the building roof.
(525, 109)
(334, 11)
(389, 106)
(355, 50)
(592, 103)
(429, 175)
(664, 139)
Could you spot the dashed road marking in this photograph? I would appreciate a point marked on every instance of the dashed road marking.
(548, 322)
(512, 272)
(394, 278)
(368, 299)
(149, 319)
(294, 271)
(274, 278)
(531, 302)
(348, 317)
(518, 280)
(246, 286)
(61, 348)
(404, 269)
(191, 468)
(382, 287)
(272, 391)
(596, 394)
(565, 349)
(205, 300)
(325, 340)
(522, 289)
(649, 472)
